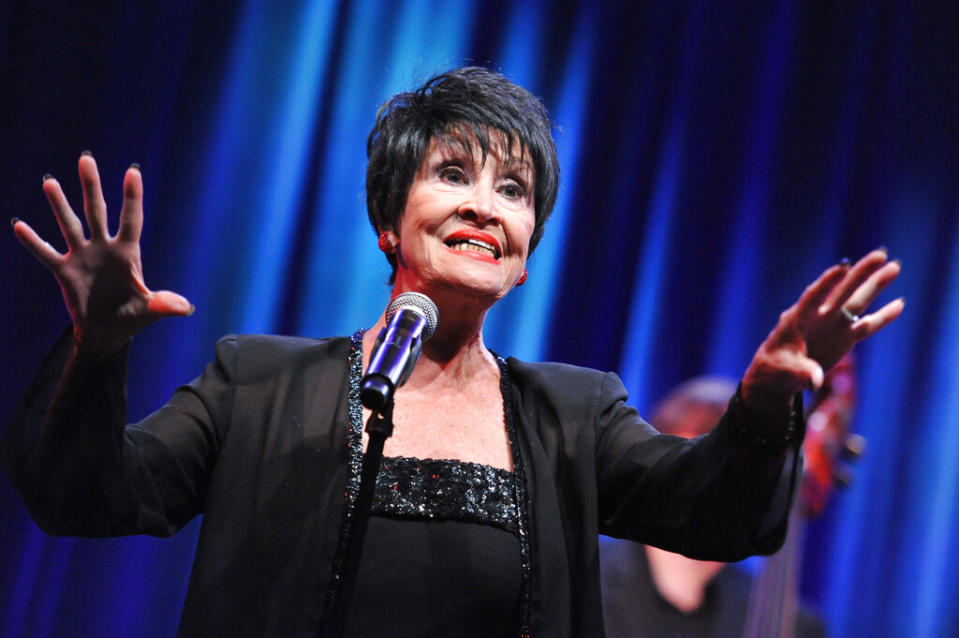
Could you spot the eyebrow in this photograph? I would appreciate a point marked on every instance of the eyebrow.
(519, 164)
(458, 152)
(453, 148)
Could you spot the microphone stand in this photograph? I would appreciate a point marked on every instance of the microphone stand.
(379, 427)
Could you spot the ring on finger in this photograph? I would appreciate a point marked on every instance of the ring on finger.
(848, 315)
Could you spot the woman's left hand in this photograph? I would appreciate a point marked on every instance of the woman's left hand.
(814, 333)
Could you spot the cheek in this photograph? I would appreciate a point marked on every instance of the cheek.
(422, 216)
(522, 233)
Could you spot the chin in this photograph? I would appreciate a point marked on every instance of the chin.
(479, 287)
(477, 280)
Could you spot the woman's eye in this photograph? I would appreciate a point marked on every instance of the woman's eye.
(513, 190)
(452, 175)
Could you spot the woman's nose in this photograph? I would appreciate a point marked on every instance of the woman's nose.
(479, 205)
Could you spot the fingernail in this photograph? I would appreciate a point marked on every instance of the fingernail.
(135, 165)
(185, 307)
(86, 153)
(844, 261)
(46, 176)
(13, 221)
(883, 249)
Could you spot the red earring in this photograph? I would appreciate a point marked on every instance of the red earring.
(384, 243)
(522, 278)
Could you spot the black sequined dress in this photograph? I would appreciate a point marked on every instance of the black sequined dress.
(442, 553)
(439, 558)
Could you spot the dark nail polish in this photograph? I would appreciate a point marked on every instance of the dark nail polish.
(844, 261)
(13, 221)
(135, 165)
(46, 176)
(86, 153)
(883, 249)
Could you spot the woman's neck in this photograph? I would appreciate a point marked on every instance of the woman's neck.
(454, 354)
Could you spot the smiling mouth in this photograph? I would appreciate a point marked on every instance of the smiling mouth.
(474, 245)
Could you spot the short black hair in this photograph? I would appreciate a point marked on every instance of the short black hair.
(459, 105)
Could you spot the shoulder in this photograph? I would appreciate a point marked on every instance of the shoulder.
(257, 354)
(550, 372)
(561, 380)
(282, 345)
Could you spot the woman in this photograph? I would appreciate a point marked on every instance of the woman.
(499, 474)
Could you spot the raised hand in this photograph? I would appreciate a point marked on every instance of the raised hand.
(101, 277)
(822, 326)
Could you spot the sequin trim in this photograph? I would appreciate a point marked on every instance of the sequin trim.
(444, 489)
(748, 433)
(519, 485)
(354, 472)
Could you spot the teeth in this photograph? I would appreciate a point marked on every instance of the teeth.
(476, 246)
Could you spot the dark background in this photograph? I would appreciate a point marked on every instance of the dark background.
(716, 157)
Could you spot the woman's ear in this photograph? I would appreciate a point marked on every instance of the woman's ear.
(387, 241)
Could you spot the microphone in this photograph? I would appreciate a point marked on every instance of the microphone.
(411, 319)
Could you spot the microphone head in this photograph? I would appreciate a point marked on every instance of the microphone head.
(420, 304)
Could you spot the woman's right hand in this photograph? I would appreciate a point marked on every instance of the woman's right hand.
(101, 277)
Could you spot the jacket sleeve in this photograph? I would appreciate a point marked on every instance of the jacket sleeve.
(722, 496)
(82, 472)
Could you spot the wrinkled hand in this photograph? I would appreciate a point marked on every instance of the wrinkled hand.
(821, 327)
(101, 277)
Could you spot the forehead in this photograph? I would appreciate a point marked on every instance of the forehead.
(460, 142)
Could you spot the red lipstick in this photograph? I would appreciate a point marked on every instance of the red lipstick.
(481, 245)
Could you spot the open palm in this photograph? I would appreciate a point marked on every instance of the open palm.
(820, 328)
(101, 276)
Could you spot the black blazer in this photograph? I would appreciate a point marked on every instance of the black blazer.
(259, 444)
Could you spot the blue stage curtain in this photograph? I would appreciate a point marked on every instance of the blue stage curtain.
(716, 157)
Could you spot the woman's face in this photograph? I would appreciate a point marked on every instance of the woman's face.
(467, 223)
